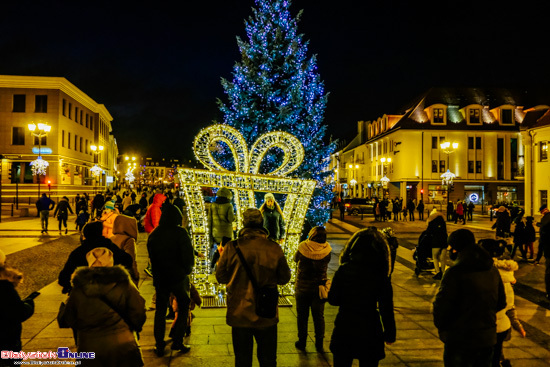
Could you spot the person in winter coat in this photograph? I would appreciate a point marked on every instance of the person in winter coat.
(127, 201)
(450, 211)
(460, 212)
(81, 205)
(61, 212)
(267, 262)
(471, 207)
(106, 309)
(396, 210)
(420, 208)
(312, 257)
(180, 204)
(125, 234)
(411, 208)
(44, 205)
(365, 319)
(97, 205)
(92, 238)
(544, 244)
(465, 307)
(520, 236)
(530, 237)
(273, 218)
(13, 310)
(143, 204)
(108, 218)
(389, 209)
(220, 218)
(152, 217)
(172, 260)
(502, 224)
(437, 235)
(506, 270)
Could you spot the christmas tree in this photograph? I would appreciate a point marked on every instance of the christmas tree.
(276, 87)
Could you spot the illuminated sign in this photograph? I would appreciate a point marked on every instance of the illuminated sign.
(43, 150)
(474, 197)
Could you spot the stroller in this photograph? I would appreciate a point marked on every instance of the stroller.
(423, 254)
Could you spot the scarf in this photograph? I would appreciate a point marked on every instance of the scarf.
(314, 250)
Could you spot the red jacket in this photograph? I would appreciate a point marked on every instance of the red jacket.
(152, 216)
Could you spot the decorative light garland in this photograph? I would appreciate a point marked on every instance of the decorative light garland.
(39, 166)
(96, 171)
(129, 176)
(244, 182)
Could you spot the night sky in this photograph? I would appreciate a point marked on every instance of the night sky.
(157, 66)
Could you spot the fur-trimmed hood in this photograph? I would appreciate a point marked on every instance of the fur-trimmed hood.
(98, 281)
(314, 250)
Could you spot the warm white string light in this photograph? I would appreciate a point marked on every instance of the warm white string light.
(39, 166)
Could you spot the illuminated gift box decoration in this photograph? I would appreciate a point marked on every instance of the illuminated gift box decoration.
(244, 182)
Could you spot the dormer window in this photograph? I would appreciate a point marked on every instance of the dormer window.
(438, 116)
(507, 117)
(475, 114)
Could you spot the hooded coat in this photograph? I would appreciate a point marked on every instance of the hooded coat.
(125, 234)
(108, 218)
(437, 231)
(106, 308)
(506, 270)
(77, 258)
(170, 250)
(312, 259)
(221, 216)
(152, 216)
(469, 297)
(267, 262)
(274, 223)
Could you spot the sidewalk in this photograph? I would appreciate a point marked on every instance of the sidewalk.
(417, 342)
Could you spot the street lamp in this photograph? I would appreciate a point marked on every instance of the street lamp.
(96, 169)
(384, 180)
(39, 166)
(447, 178)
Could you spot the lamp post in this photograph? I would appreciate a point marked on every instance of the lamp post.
(39, 166)
(448, 148)
(353, 181)
(96, 169)
(131, 166)
(384, 180)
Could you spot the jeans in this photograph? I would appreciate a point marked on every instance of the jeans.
(468, 358)
(421, 214)
(163, 294)
(243, 344)
(62, 221)
(305, 301)
(44, 215)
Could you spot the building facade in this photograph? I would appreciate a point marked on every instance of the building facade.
(401, 155)
(76, 123)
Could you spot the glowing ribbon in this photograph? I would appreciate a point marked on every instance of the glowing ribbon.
(246, 162)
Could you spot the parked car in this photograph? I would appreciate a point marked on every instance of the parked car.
(355, 206)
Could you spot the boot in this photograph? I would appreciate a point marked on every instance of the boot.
(319, 346)
(301, 345)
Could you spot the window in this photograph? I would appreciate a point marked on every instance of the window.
(19, 102)
(478, 142)
(438, 116)
(470, 166)
(470, 142)
(441, 166)
(441, 139)
(70, 112)
(543, 197)
(42, 142)
(434, 142)
(41, 103)
(76, 114)
(63, 138)
(478, 167)
(507, 117)
(18, 136)
(81, 144)
(92, 123)
(86, 147)
(87, 119)
(543, 151)
(81, 114)
(434, 166)
(474, 116)
(75, 142)
(69, 140)
(64, 108)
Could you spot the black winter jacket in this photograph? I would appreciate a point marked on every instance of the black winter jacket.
(13, 311)
(469, 297)
(77, 258)
(170, 249)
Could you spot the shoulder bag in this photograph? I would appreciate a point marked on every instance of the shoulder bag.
(266, 297)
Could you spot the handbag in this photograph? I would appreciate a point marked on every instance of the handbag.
(60, 319)
(266, 297)
(324, 289)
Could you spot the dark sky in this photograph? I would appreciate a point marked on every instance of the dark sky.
(157, 65)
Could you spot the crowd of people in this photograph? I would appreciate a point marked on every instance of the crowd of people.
(473, 310)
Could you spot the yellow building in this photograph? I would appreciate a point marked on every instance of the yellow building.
(76, 123)
(485, 153)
